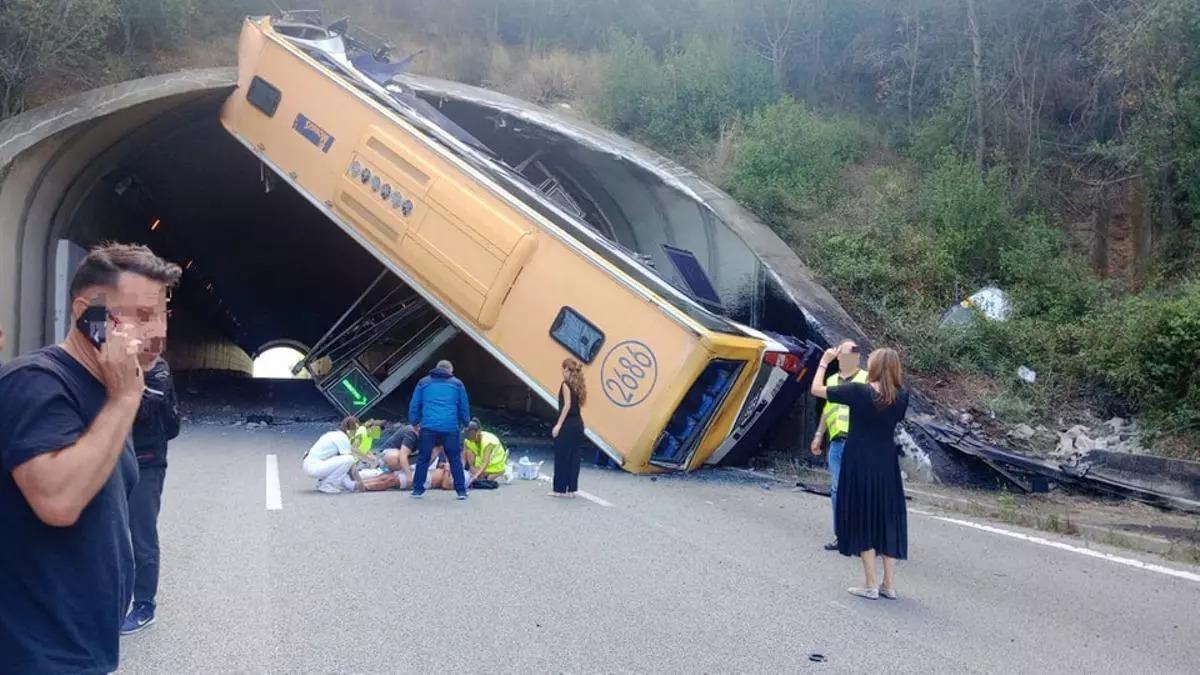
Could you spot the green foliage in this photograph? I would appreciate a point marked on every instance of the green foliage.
(1152, 50)
(791, 160)
(1148, 348)
(149, 23)
(41, 36)
(683, 98)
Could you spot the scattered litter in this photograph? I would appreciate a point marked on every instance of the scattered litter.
(991, 302)
(816, 658)
(527, 470)
(1027, 375)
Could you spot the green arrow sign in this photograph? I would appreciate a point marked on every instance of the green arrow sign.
(359, 400)
(352, 390)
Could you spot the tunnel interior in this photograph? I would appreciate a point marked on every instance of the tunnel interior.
(260, 264)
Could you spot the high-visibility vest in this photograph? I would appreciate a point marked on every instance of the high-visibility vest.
(837, 415)
(366, 438)
(499, 461)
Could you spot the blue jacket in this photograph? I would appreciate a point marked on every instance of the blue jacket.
(440, 403)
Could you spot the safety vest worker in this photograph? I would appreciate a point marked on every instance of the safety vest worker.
(836, 415)
(478, 449)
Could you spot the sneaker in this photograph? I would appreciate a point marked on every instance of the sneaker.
(462, 496)
(889, 593)
(868, 593)
(417, 495)
(329, 488)
(141, 616)
(832, 546)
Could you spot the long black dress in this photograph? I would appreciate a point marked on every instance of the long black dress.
(871, 513)
(568, 446)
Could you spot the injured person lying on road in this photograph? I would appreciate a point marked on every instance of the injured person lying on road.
(393, 468)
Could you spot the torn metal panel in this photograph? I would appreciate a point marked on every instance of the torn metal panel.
(1157, 481)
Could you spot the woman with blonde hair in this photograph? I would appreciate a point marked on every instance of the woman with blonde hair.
(871, 514)
(568, 431)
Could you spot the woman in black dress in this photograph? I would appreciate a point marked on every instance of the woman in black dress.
(568, 431)
(871, 514)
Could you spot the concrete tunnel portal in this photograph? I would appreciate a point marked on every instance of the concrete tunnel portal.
(148, 161)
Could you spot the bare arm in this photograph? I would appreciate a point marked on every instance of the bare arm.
(59, 485)
(818, 388)
(485, 460)
(816, 441)
(562, 414)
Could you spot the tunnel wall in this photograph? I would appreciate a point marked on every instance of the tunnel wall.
(49, 158)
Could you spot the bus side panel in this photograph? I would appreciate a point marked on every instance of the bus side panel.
(512, 304)
(557, 277)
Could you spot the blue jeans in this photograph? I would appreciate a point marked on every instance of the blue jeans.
(450, 443)
(835, 469)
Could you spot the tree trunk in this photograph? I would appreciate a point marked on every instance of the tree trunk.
(977, 79)
(914, 56)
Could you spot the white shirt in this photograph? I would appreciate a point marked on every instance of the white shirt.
(329, 445)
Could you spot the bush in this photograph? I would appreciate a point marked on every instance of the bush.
(791, 161)
(684, 98)
(1147, 348)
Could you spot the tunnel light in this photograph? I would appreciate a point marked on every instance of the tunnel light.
(155, 224)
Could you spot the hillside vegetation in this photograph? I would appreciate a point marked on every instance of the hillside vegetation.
(912, 151)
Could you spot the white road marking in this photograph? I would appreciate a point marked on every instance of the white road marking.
(586, 495)
(1149, 567)
(274, 496)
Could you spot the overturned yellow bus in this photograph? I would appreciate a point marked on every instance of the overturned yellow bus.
(672, 384)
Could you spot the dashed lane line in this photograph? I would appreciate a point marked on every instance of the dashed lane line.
(274, 496)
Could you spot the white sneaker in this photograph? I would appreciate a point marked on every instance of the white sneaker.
(889, 593)
(328, 488)
(868, 593)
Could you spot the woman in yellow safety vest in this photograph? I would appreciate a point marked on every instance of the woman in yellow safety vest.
(483, 453)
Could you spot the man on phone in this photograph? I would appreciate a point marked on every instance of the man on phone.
(66, 411)
(835, 422)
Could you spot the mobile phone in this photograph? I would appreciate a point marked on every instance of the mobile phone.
(93, 323)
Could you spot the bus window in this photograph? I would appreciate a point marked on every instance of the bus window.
(693, 275)
(691, 418)
(578, 335)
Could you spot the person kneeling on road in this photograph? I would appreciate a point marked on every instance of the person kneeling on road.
(484, 456)
(331, 458)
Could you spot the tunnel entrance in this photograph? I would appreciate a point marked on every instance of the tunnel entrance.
(260, 263)
(276, 363)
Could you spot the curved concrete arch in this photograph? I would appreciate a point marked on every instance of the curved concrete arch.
(281, 342)
(52, 158)
(43, 155)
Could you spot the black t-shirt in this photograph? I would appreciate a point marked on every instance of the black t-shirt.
(405, 437)
(63, 590)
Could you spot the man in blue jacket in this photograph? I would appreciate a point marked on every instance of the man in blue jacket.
(439, 409)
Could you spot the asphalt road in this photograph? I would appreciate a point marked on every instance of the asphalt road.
(708, 573)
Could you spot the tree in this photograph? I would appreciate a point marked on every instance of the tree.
(976, 79)
(37, 36)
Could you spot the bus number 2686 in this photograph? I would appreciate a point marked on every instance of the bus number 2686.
(630, 372)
